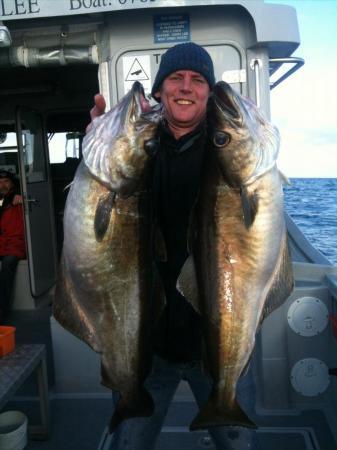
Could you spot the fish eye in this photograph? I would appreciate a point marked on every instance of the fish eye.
(151, 147)
(221, 139)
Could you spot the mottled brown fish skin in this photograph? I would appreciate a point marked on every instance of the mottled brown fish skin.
(245, 263)
(103, 291)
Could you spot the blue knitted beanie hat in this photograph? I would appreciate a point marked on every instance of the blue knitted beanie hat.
(186, 56)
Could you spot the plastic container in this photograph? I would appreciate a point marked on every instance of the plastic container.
(7, 340)
(13, 430)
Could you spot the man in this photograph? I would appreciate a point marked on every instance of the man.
(12, 238)
(183, 84)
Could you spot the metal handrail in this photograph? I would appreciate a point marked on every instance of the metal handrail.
(256, 65)
(298, 62)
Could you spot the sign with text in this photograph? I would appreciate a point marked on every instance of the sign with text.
(171, 28)
(31, 9)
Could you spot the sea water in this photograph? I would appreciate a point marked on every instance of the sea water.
(312, 204)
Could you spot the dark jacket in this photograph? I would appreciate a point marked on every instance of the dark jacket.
(176, 180)
(12, 234)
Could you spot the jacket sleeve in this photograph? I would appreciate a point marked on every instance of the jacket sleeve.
(12, 238)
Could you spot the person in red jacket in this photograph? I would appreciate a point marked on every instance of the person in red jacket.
(12, 237)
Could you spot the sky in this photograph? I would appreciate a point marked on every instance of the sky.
(304, 106)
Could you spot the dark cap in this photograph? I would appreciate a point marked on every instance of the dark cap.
(186, 56)
(10, 175)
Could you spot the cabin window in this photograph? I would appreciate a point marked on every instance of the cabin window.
(64, 145)
(9, 152)
(33, 155)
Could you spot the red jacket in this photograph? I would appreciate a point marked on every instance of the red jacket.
(12, 232)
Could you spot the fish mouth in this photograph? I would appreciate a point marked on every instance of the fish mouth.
(132, 110)
(225, 100)
(141, 103)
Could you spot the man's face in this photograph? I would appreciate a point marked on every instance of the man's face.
(6, 185)
(184, 94)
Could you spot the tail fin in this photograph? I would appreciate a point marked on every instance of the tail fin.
(212, 416)
(138, 406)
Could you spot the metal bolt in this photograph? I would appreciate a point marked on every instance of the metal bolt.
(206, 442)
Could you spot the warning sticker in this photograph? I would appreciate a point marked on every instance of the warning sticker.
(136, 72)
(171, 28)
(137, 68)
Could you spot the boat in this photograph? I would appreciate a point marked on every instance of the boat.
(54, 57)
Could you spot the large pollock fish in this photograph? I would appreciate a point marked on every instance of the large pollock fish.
(241, 258)
(103, 290)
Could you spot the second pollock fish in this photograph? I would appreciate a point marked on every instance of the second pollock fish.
(242, 264)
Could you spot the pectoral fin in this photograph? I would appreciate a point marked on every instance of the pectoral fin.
(187, 283)
(103, 213)
(250, 202)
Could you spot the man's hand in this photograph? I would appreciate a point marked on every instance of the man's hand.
(100, 105)
(98, 109)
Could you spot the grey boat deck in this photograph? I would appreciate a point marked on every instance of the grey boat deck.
(79, 424)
